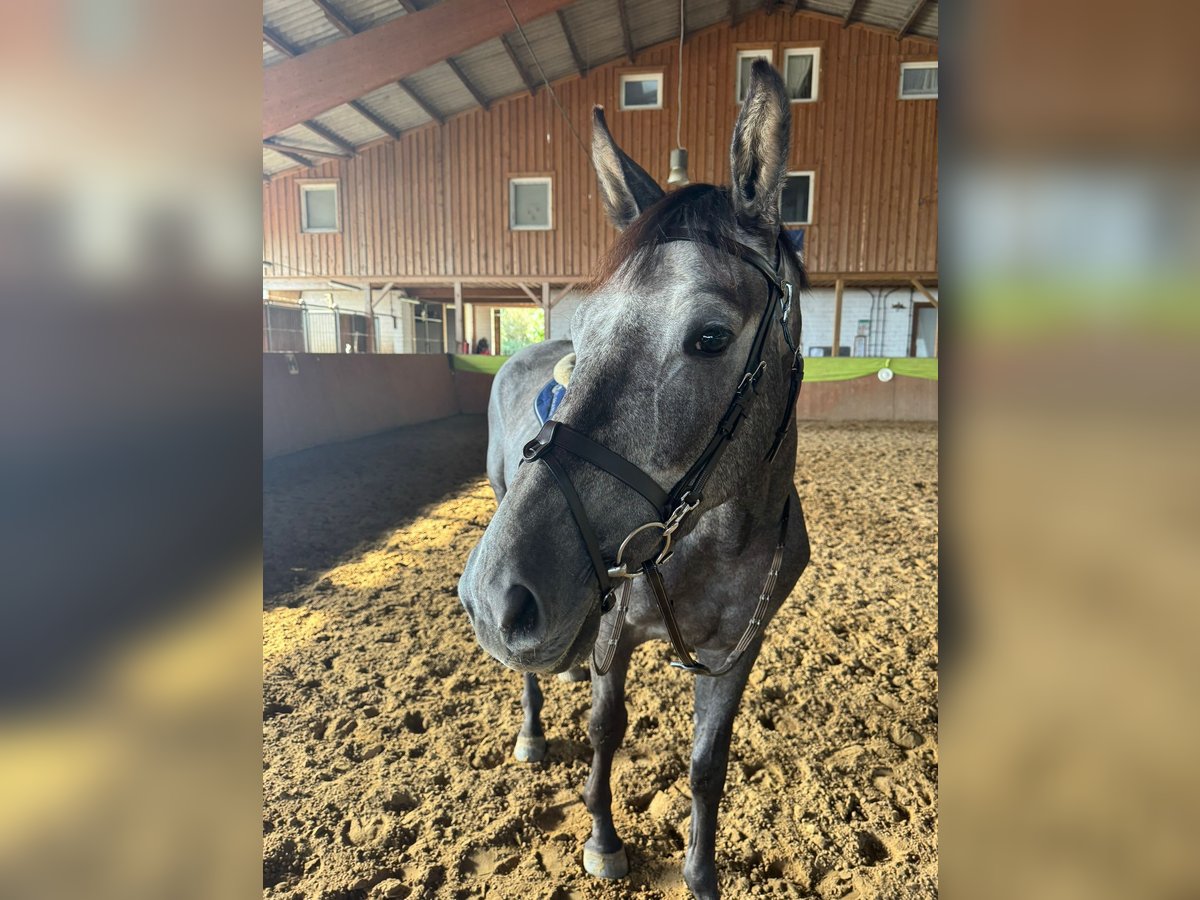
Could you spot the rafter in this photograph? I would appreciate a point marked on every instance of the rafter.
(911, 17)
(407, 6)
(769, 6)
(316, 81)
(382, 124)
(512, 56)
(733, 13)
(626, 38)
(329, 135)
(796, 6)
(294, 157)
(277, 40)
(466, 82)
(422, 103)
(851, 12)
(916, 282)
(335, 18)
(282, 146)
(580, 68)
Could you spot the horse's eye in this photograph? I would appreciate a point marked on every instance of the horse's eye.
(713, 340)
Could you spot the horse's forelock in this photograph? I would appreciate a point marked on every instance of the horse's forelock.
(697, 207)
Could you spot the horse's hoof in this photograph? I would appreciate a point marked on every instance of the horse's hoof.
(530, 748)
(578, 673)
(605, 865)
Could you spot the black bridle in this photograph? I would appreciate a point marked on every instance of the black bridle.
(674, 506)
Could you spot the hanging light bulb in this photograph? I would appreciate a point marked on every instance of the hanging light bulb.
(679, 175)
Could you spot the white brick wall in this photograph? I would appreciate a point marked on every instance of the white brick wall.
(890, 333)
(561, 315)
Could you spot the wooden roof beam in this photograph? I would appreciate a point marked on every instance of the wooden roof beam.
(407, 6)
(277, 40)
(480, 98)
(626, 38)
(382, 124)
(330, 136)
(911, 17)
(916, 282)
(851, 12)
(733, 13)
(316, 81)
(512, 56)
(335, 18)
(580, 68)
(795, 6)
(769, 6)
(424, 105)
(289, 149)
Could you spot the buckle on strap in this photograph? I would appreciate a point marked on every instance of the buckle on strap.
(537, 448)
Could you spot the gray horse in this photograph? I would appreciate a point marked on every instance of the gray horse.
(661, 343)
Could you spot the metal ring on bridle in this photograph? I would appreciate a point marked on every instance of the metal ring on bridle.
(662, 554)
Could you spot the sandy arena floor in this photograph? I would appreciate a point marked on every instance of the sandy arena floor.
(387, 731)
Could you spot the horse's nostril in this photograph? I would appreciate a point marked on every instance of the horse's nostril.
(520, 612)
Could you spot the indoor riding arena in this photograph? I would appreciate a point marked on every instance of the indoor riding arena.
(430, 209)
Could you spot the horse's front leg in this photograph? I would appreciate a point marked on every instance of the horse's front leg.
(531, 742)
(604, 854)
(717, 701)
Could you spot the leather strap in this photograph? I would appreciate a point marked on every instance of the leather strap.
(581, 522)
(613, 463)
(668, 616)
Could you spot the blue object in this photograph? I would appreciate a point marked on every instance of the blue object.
(548, 399)
(795, 237)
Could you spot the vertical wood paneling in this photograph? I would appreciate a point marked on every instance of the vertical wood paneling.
(435, 202)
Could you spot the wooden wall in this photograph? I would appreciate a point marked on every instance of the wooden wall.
(435, 202)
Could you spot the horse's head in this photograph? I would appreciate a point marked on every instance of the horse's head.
(662, 341)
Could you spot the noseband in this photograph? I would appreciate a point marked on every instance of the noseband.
(673, 507)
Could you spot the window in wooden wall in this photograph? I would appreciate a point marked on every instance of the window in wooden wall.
(796, 201)
(919, 81)
(745, 59)
(642, 91)
(319, 207)
(529, 204)
(801, 72)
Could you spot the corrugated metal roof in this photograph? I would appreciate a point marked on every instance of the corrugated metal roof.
(274, 162)
(271, 55)
(346, 123)
(549, 46)
(299, 136)
(651, 22)
(596, 30)
(490, 69)
(394, 106)
(887, 13)
(441, 87)
(364, 14)
(702, 13)
(300, 22)
(926, 24)
(832, 7)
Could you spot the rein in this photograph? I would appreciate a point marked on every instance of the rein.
(674, 506)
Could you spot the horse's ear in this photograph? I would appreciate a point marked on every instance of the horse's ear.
(758, 155)
(624, 185)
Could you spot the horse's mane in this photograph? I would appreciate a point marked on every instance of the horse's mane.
(697, 207)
